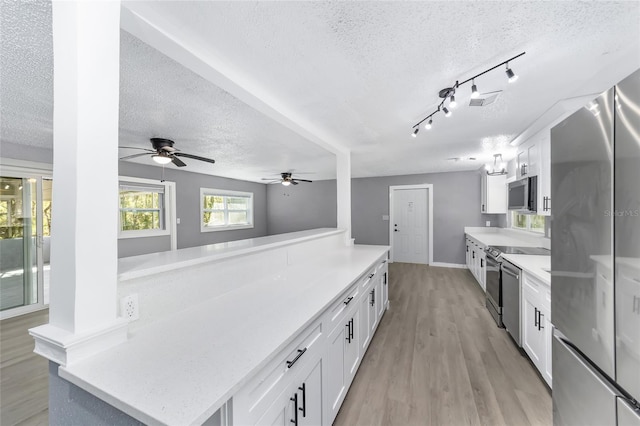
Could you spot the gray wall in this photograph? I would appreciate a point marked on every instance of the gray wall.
(300, 207)
(456, 204)
(188, 209)
(456, 199)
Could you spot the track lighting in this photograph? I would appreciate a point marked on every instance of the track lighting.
(474, 90)
(161, 159)
(510, 74)
(449, 93)
(429, 124)
(452, 101)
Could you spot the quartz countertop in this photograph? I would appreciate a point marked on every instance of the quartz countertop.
(532, 264)
(182, 369)
(501, 237)
(155, 263)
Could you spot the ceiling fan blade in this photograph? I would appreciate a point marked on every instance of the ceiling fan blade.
(303, 180)
(178, 162)
(128, 157)
(293, 182)
(195, 157)
(135, 147)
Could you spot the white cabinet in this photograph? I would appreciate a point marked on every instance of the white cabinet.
(301, 402)
(544, 176)
(527, 159)
(476, 261)
(536, 325)
(342, 360)
(493, 194)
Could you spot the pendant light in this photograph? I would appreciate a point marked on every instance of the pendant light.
(498, 168)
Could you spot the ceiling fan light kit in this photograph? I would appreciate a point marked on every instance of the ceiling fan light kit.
(286, 179)
(449, 93)
(164, 153)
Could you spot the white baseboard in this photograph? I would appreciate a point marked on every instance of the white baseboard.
(449, 265)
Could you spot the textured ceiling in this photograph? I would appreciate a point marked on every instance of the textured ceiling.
(362, 72)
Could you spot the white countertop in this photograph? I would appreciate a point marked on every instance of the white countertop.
(182, 369)
(500, 237)
(534, 265)
(154, 263)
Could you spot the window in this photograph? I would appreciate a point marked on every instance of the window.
(527, 222)
(143, 208)
(224, 210)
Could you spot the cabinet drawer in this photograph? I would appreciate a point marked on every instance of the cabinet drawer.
(366, 280)
(381, 266)
(252, 401)
(346, 301)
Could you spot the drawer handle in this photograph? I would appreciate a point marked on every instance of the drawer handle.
(295, 409)
(349, 299)
(371, 275)
(303, 388)
(384, 261)
(293, 361)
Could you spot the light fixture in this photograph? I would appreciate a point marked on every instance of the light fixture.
(415, 132)
(510, 74)
(449, 92)
(161, 159)
(286, 182)
(20, 188)
(7, 186)
(429, 124)
(498, 168)
(474, 90)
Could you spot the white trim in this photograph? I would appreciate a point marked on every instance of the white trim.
(26, 166)
(169, 212)
(429, 188)
(227, 193)
(449, 265)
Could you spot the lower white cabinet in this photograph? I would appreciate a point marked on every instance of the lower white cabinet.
(537, 332)
(476, 259)
(312, 375)
(301, 402)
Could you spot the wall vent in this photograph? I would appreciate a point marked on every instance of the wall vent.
(485, 99)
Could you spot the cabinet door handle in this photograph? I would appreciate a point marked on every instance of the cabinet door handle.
(385, 278)
(523, 170)
(535, 317)
(293, 361)
(295, 409)
(467, 248)
(540, 315)
(483, 207)
(351, 329)
(303, 388)
(348, 338)
(482, 263)
(473, 254)
(373, 297)
(349, 299)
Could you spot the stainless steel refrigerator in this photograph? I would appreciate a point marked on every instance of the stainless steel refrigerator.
(595, 261)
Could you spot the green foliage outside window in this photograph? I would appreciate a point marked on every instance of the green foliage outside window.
(527, 222)
(141, 210)
(223, 210)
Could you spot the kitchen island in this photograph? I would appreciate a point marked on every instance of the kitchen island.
(214, 319)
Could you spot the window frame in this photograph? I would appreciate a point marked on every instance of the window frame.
(167, 211)
(225, 193)
(528, 223)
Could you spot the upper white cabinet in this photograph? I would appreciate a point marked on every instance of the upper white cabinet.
(544, 176)
(493, 190)
(527, 160)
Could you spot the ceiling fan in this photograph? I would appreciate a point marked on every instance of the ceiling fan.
(163, 153)
(286, 179)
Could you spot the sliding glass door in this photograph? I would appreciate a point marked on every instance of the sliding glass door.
(25, 224)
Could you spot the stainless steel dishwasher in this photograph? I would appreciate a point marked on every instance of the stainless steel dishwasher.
(511, 299)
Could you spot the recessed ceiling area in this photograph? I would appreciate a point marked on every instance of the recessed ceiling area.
(351, 74)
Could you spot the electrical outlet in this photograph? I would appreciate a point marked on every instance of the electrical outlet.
(488, 223)
(129, 307)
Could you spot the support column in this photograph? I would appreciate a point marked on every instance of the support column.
(83, 316)
(343, 183)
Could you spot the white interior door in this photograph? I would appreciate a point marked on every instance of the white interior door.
(410, 231)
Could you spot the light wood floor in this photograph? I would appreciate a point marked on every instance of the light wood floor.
(24, 376)
(439, 359)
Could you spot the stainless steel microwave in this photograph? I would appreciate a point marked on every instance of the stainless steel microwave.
(523, 195)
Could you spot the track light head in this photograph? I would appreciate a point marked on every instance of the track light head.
(447, 113)
(474, 90)
(415, 132)
(510, 74)
(429, 124)
(452, 101)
